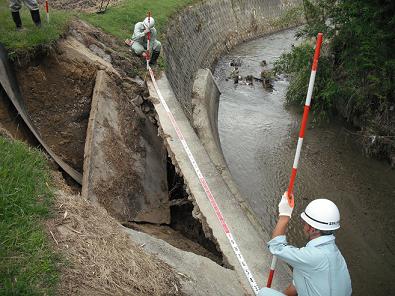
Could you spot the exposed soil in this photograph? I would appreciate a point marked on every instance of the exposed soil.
(11, 123)
(110, 49)
(83, 5)
(57, 94)
(57, 91)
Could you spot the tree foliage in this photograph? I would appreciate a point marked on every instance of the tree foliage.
(357, 65)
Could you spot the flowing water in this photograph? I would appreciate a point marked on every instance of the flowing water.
(258, 137)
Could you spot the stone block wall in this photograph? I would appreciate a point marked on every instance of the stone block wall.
(198, 35)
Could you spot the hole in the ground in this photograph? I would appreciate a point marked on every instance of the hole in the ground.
(181, 214)
(184, 232)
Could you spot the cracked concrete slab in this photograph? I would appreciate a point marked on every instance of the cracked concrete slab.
(124, 161)
(198, 275)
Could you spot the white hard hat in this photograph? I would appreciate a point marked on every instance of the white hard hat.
(149, 22)
(322, 214)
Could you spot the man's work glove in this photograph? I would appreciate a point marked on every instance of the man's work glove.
(284, 208)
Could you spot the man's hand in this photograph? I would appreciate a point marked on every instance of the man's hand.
(284, 208)
(146, 31)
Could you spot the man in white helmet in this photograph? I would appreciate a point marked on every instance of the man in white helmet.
(319, 268)
(138, 43)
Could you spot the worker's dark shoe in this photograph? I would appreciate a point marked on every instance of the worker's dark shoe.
(17, 19)
(154, 57)
(36, 17)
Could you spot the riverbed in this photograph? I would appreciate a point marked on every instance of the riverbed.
(258, 136)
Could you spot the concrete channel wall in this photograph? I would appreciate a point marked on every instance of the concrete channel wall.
(197, 36)
(195, 39)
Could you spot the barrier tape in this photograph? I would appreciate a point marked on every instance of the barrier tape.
(207, 190)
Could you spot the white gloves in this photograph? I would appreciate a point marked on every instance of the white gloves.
(284, 208)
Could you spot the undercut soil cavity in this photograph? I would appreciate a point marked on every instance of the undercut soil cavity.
(58, 94)
(184, 232)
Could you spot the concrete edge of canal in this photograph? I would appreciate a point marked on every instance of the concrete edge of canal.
(193, 97)
(249, 238)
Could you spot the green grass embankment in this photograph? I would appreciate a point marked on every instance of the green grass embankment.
(119, 20)
(31, 36)
(28, 265)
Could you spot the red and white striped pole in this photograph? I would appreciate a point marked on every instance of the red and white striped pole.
(291, 200)
(47, 10)
(147, 54)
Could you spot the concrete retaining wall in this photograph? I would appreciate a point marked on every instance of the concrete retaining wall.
(197, 37)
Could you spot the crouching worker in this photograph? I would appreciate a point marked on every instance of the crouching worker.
(138, 43)
(16, 5)
(319, 268)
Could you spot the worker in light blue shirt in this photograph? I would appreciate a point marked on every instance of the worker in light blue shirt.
(319, 268)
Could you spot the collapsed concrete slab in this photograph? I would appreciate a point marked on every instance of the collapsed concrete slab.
(199, 276)
(250, 239)
(125, 161)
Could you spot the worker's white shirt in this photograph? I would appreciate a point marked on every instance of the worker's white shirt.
(319, 269)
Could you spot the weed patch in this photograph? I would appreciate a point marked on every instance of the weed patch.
(28, 264)
(22, 41)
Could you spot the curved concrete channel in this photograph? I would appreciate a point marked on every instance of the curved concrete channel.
(193, 96)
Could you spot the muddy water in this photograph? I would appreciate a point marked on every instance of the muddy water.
(258, 137)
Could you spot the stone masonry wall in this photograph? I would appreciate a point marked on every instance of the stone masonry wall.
(197, 36)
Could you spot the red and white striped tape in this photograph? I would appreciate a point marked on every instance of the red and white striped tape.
(206, 188)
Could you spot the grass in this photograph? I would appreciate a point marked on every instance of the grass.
(291, 17)
(28, 266)
(119, 20)
(31, 36)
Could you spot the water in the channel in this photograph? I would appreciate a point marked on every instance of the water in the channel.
(258, 137)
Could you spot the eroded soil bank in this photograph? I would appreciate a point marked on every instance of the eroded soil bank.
(58, 88)
(57, 94)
